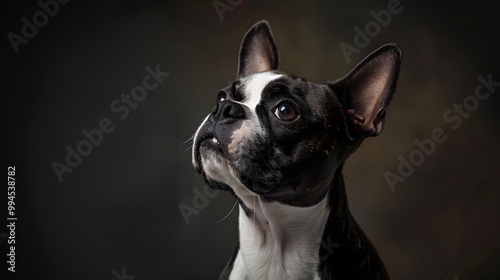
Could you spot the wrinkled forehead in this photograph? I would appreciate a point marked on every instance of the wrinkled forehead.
(249, 90)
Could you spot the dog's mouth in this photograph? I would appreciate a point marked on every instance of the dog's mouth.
(210, 148)
(210, 141)
(207, 142)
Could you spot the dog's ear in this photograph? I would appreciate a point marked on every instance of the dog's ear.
(367, 90)
(258, 51)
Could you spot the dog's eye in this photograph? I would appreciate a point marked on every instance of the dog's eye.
(286, 111)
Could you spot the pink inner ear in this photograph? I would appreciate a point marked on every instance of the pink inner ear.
(260, 61)
(258, 52)
(362, 124)
(369, 88)
(380, 84)
(359, 120)
(261, 65)
(372, 92)
(371, 95)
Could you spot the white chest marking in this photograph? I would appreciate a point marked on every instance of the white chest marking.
(279, 241)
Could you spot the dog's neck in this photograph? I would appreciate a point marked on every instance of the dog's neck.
(278, 241)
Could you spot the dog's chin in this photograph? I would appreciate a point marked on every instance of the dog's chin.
(219, 174)
(214, 165)
(257, 187)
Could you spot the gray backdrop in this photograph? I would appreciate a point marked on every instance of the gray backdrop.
(117, 215)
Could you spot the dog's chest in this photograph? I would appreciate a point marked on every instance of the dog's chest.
(279, 241)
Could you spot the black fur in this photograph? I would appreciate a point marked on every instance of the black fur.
(300, 161)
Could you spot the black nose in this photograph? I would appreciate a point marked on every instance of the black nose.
(227, 110)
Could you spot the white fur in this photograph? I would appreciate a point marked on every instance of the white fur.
(193, 158)
(279, 241)
(253, 87)
(239, 271)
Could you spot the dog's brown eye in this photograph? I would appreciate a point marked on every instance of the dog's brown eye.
(286, 111)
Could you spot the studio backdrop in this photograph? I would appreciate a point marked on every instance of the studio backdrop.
(100, 97)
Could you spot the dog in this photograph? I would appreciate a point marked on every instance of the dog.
(278, 143)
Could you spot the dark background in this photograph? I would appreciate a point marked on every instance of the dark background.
(120, 207)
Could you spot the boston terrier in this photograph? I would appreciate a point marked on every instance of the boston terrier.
(278, 143)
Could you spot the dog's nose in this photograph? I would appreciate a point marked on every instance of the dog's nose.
(227, 109)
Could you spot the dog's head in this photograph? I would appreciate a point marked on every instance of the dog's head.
(282, 137)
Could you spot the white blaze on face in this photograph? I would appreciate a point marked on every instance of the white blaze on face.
(252, 88)
(219, 168)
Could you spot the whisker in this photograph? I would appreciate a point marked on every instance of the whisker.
(189, 148)
(189, 140)
(227, 215)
